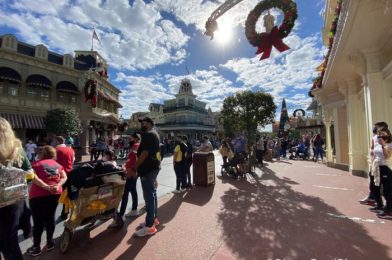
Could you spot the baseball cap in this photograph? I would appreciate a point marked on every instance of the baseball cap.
(147, 119)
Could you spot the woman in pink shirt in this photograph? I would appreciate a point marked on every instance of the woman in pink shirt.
(44, 195)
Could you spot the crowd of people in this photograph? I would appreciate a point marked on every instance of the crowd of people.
(236, 151)
(48, 168)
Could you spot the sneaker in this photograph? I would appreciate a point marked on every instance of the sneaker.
(34, 251)
(385, 214)
(146, 231)
(49, 246)
(132, 213)
(367, 201)
(377, 209)
(156, 223)
(115, 224)
(176, 191)
(183, 190)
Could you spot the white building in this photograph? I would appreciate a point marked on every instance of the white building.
(356, 89)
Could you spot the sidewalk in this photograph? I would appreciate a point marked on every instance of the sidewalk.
(290, 210)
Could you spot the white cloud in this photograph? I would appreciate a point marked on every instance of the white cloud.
(282, 71)
(124, 30)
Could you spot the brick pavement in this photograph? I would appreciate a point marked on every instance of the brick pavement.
(289, 210)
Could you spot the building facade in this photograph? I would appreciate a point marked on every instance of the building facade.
(34, 80)
(355, 89)
(184, 115)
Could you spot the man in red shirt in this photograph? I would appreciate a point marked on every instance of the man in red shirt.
(65, 156)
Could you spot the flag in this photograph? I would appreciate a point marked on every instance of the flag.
(95, 36)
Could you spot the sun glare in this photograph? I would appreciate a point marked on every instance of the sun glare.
(224, 33)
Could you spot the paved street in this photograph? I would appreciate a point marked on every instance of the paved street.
(167, 182)
(288, 210)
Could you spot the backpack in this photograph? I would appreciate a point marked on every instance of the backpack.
(13, 185)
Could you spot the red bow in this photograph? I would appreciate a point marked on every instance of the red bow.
(268, 40)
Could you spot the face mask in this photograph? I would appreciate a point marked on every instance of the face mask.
(144, 129)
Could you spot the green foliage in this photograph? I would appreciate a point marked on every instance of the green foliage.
(63, 121)
(247, 110)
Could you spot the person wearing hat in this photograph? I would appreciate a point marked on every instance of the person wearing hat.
(130, 185)
(148, 165)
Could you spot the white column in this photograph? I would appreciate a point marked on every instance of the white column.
(336, 133)
(356, 128)
(84, 137)
(327, 120)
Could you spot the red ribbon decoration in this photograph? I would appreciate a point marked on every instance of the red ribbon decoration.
(268, 40)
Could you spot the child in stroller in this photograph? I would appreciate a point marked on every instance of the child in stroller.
(299, 151)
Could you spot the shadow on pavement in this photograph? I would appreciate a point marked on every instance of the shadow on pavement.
(166, 212)
(276, 222)
(199, 195)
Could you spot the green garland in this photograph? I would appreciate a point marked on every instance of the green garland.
(288, 7)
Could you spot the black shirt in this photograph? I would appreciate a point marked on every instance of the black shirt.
(149, 143)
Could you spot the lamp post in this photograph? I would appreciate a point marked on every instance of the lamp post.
(121, 128)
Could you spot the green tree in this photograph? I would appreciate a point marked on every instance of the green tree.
(245, 112)
(63, 121)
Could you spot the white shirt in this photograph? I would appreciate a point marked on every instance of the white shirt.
(260, 144)
(30, 148)
(378, 153)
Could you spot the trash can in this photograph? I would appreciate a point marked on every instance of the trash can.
(203, 169)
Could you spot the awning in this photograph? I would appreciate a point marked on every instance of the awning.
(38, 80)
(34, 122)
(15, 120)
(66, 86)
(10, 74)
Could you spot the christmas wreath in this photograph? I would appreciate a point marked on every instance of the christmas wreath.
(90, 92)
(265, 41)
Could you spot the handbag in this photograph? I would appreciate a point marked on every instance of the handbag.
(13, 185)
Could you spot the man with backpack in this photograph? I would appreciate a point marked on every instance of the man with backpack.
(188, 161)
(179, 163)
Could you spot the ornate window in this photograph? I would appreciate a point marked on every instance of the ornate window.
(45, 95)
(9, 42)
(31, 93)
(13, 90)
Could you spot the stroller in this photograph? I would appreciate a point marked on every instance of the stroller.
(94, 198)
(231, 167)
(299, 152)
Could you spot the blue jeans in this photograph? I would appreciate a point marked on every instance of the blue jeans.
(319, 151)
(130, 187)
(150, 196)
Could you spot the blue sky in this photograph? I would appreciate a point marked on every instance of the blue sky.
(148, 45)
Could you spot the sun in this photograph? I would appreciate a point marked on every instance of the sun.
(224, 34)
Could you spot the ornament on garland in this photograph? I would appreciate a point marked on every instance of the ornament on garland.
(90, 92)
(273, 37)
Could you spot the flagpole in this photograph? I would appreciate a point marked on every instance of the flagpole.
(92, 42)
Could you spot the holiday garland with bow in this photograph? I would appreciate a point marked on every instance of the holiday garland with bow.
(317, 82)
(265, 41)
(90, 92)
